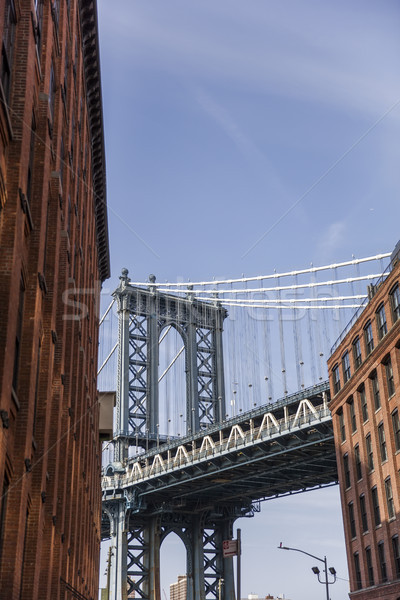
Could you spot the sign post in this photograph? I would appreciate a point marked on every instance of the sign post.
(234, 548)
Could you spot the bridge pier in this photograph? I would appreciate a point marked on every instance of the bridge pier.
(135, 560)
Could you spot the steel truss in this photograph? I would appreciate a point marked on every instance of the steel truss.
(143, 316)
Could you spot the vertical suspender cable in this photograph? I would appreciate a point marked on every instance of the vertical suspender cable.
(297, 358)
(282, 342)
(268, 374)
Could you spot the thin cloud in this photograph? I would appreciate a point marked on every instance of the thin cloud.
(243, 143)
(261, 50)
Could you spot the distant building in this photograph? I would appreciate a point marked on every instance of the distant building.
(267, 597)
(54, 257)
(177, 591)
(365, 390)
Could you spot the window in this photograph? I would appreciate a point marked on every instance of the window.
(357, 353)
(17, 351)
(368, 338)
(357, 459)
(363, 511)
(357, 570)
(375, 390)
(389, 376)
(396, 429)
(395, 302)
(10, 21)
(31, 158)
(342, 426)
(56, 10)
(375, 506)
(381, 321)
(352, 520)
(336, 379)
(346, 470)
(38, 26)
(396, 554)
(353, 420)
(370, 454)
(52, 91)
(382, 562)
(370, 569)
(346, 367)
(382, 441)
(389, 498)
(363, 401)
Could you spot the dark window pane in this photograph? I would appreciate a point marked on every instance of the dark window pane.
(381, 321)
(342, 427)
(370, 454)
(352, 520)
(396, 554)
(375, 505)
(395, 302)
(336, 379)
(357, 459)
(368, 338)
(382, 442)
(357, 570)
(382, 561)
(389, 377)
(396, 429)
(363, 511)
(346, 367)
(369, 566)
(353, 420)
(364, 406)
(357, 353)
(346, 470)
(375, 390)
(389, 498)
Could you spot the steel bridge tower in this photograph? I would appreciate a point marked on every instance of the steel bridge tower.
(137, 531)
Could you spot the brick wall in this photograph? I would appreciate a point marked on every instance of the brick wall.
(368, 444)
(54, 255)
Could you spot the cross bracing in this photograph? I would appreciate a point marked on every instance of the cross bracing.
(270, 451)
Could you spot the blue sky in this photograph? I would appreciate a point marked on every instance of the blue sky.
(243, 137)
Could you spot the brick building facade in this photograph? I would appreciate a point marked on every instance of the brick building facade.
(365, 390)
(54, 256)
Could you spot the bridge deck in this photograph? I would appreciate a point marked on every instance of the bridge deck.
(277, 449)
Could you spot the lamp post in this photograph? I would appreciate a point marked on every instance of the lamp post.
(315, 570)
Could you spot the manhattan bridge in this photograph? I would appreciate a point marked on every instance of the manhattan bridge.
(221, 403)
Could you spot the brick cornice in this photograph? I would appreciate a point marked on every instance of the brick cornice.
(91, 57)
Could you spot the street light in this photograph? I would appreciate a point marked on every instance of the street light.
(315, 570)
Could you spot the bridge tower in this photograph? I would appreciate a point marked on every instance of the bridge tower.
(137, 531)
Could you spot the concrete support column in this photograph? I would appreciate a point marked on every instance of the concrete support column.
(152, 538)
(195, 566)
(122, 401)
(118, 566)
(153, 358)
(225, 565)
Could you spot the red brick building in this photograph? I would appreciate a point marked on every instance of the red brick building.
(365, 389)
(53, 258)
